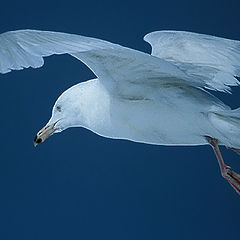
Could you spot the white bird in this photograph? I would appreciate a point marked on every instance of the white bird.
(160, 98)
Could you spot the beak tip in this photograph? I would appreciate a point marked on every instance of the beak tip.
(37, 140)
(43, 134)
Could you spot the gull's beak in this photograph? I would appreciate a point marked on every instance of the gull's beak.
(44, 133)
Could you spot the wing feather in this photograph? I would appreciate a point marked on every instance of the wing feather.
(26, 48)
(122, 70)
(214, 62)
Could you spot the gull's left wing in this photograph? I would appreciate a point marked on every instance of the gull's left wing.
(123, 71)
(26, 48)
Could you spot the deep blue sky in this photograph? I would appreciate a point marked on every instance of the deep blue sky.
(78, 185)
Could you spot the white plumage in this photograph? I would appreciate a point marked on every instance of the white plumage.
(158, 99)
(212, 61)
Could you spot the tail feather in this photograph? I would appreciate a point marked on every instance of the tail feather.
(227, 123)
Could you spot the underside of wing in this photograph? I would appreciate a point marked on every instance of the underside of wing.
(128, 72)
(123, 71)
(211, 61)
(26, 48)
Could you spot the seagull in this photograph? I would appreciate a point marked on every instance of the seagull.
(160, 98)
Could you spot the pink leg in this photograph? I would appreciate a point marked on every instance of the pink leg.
(226, 171)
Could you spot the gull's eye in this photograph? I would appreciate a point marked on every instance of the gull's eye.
(59, 109)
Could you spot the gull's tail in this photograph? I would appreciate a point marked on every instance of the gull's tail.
(227, 124)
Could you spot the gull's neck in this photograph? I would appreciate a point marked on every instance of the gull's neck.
(91, 107)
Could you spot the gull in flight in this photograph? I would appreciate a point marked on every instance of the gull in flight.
(161, 98)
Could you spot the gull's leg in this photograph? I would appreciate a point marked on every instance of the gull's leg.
(226, 171)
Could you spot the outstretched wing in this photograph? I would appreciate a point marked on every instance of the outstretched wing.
(26, 48)
(120, 69)
(212, 61)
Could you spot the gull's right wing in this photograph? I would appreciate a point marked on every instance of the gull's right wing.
(214, 62)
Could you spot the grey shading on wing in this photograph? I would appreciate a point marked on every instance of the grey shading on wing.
(26, 48)
(212, 61)
(120, 69)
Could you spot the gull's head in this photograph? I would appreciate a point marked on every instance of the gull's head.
(66, 113)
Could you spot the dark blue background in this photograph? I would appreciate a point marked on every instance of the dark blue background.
(78, 185)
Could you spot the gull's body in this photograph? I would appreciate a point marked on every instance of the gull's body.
(159, 119)
(157, 99)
